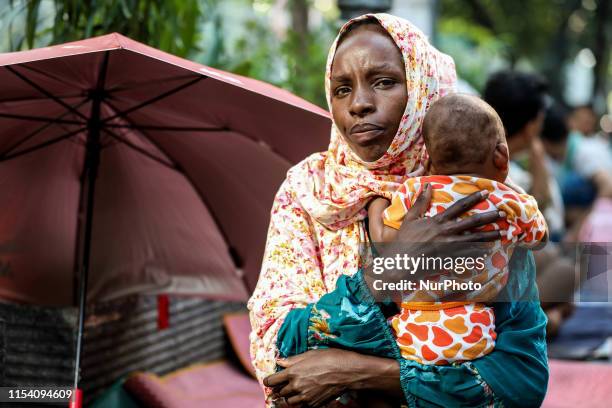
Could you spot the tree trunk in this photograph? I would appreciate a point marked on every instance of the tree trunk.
(601, 49)
(299, 23)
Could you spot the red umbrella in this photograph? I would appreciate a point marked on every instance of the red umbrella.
(124, 169)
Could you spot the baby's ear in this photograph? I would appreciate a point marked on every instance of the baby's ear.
(501, 156)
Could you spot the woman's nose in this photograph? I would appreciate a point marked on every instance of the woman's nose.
(362, 103)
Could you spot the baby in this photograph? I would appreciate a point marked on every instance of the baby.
(467, 149)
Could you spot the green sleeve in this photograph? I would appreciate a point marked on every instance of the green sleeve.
(348, 317)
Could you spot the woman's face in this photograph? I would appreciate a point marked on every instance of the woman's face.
(368, 90)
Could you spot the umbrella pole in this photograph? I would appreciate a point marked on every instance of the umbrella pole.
(92, 160)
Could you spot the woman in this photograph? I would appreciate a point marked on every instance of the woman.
(381, 76)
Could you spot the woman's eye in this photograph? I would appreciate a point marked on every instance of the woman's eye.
(385, 82)
(343, 90)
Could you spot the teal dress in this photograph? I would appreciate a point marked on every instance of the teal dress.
(515, 374)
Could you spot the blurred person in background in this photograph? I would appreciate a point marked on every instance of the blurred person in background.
(520, 99)
(585, 171)
(583, 120)
(581, 163)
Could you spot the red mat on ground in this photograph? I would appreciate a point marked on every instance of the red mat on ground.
(578, 384)
(238, 327)
(204, 385)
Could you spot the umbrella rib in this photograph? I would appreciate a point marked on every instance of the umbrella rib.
(139, 149)
(76, 95)
(143, 84)
(138, 126)
(41, 119)
(45, 92)
(43, 127)
(46, 74)
(42, 145)
(154, 99)
(167, 128)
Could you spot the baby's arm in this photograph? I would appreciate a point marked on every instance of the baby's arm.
(541, 243)
(535, 235)
(379, 232)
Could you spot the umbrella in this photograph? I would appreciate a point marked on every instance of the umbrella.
(124, 169)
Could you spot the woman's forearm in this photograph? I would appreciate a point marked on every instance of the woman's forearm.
(377, 374)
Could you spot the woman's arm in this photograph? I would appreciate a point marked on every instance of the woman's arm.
(290, 278)
(319, 376)
(515, 373)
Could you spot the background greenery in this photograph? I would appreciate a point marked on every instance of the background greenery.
(482, 35)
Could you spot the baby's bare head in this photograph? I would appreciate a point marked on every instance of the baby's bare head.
(462, 134)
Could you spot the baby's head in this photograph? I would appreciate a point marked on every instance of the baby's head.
(464, 135)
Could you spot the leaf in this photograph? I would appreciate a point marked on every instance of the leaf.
(31, 22)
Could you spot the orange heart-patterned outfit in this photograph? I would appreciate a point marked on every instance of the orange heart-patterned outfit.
(431, 331)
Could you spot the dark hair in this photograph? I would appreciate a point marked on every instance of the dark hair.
(517, 97)
(555, 128)
(460, 129)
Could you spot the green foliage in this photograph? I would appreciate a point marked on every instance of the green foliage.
(307, 64)
(475, 49)
(171, 25)
(292, 62)
(544, 35)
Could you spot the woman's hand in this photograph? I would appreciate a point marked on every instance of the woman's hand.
(317, 377)
(435, 236)
(444, 227)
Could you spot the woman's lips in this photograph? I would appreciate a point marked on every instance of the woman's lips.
(363, 127)
(365, 133)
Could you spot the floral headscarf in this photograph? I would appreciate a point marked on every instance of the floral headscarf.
(335, 189)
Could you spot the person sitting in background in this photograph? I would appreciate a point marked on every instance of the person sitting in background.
(586, 167)
(554, 137)
(583, 120)
(581, 164)
(520, 100)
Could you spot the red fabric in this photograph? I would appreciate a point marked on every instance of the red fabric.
(155, 228)
(213, 385)
(77, 399)
(578, 384)
(163, 312)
